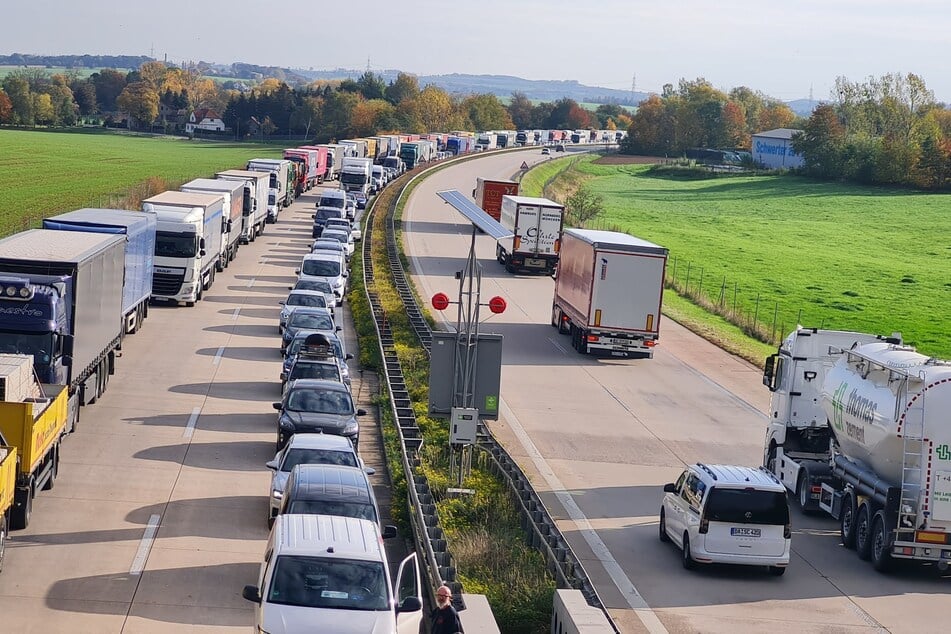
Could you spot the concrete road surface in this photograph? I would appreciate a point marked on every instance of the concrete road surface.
(600, 437)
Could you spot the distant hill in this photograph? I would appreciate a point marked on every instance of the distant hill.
(803, 107)
(75, 61)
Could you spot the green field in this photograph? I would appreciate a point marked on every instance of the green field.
(43, 173)
(53, 70)
(820, 254)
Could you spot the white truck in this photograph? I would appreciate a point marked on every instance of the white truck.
(254, 213)
(355, 174)
(233, 191)
(487, 140)
(536, 224)
(334, 159)
(859, 429)
(608, 292)
(187, 243)
(280, 183)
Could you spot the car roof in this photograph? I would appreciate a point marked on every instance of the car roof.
(307, 292)
(303, 334)
(321, 441)
(321, 256)
(318, 384)
(736, 476)
(313, 535)
(323, 481)
(334, 232)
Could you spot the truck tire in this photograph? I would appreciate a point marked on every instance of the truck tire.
(4, 527)
(881, 556)
(804, 491)
(847, 521)
(863, 533)
(54, 470)
(22, 507)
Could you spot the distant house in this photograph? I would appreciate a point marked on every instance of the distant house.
(204, 119)
(773, 149)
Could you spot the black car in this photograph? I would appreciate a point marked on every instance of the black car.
(316, 406)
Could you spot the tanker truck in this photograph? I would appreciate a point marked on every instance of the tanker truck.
(859, 429)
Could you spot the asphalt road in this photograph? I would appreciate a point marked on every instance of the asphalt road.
(175, 449)
(599, 438)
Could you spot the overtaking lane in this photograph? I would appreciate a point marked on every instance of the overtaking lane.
(613, 431)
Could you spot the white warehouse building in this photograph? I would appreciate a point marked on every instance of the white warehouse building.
(773, 149)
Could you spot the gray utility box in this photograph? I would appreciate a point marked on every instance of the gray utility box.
(488, 375)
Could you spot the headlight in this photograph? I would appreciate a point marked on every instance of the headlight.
(351, 428)
(286, 424)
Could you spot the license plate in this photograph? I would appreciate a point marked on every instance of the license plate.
(621, 342)
(745, 532)
(535, 263)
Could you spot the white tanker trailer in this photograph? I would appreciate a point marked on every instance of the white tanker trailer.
(860, 428)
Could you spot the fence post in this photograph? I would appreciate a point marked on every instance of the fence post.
(722, 291)
(700, 286)
(756, 312)
(735, 287)
(687, 285)
(772, 336)
(675, 272)
(799, 317)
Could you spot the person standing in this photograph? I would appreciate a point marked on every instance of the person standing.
(445, 619)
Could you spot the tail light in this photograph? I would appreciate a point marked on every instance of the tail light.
(592, 338)
(650, 343)
(787, 531)
(557, 245)
(704, 526)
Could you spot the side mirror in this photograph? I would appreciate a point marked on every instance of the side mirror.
(389, 532)
(410, 604)
(670, 488)
(281, 303)
(348, 356)
(271, 464)
(296, 271)
(276, 406)
(201, 244)
(369, 471)
(361, 412)
(252, 594)
(338, 328)
(314, 216)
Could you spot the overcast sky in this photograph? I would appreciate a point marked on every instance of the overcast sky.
(780, 48)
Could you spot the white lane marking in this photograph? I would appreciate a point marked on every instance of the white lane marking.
(557, 345)
(145, 545)
(190, 425)
(598, 547)
(217, 359)
(234, 317)
(251, 283)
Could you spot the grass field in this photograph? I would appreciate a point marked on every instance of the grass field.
(797, 250)
(80, 72)
(43, 173)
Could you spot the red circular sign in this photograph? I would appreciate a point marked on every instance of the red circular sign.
(440, 301)
(497, 305)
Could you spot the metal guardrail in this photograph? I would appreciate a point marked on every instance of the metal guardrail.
(541, 530)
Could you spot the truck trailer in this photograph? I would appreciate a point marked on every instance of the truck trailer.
(536, 224)
(355, 174)
(139, 230)
(321, 165)
(306, 161)
(187, 244)
(231, 220)
(61, 303)
(281, 182)
(608, 292)
(488, 194)
(859, 429)
(254, 211)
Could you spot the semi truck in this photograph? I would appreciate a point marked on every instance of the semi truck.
(61, 303)
(231, 220)
(859, 429)
(357, 148)
(355, 174)
(536, 224)
(139, 230)
(306, 161)
(281, 182)
(187, 245)
(320, 156)
(488, 194)
(608, 292)
(486, 140)
(505, 139)
(34, 418)
(254, 212)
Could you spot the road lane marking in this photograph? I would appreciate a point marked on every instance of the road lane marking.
(145, 545)
(217, 359)
(598, 547)
(250, 283)
(234, 317)
(557, 345)
(190, 425)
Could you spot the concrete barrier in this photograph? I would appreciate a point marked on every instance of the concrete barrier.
(477, 618)
(573, 615)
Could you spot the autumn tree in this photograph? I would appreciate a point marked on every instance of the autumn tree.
(578, 118)
(64, 106)
(431, 111)
(753, 103)
(775, 115)
(821, 142)
(558, 119)
(307, 114)
(652, 130)
(404, 88)
(141, 101)
(520, 109)
(84, 94)
(369, 117)
(21, 99)
(109, 85)
(735, 133)
(337, 110)
(608, 112)
(6, 108)
(43, 112)
(486, 112)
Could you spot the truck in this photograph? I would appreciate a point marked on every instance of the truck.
(335, 156)
(139, 231)
(505, 139)
(281, 183)
(355, 174)
(858, 429)
(486, 140)
(254, 212)
(415, 152)
(524, 137)
(458, 144)
(536, 224)
(488, 194)
(357, 147)
(34, 419)
(608, 292)
(321, 165)
(187, 245)
(306, 161)
(233, 217)
(61, 303)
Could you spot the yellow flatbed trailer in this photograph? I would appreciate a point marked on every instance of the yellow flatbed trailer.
(8, 481)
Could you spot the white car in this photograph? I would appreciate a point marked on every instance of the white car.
(329, 266)
(295, 299)
(727, 515)
(345, 238)
(345, 225)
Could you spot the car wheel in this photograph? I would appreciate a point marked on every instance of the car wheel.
(881, 557)
(847, 521)
(687, 558)
(863, 533)
(664, 537)
(777, 571)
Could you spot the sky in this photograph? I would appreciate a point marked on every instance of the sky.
(784, 49)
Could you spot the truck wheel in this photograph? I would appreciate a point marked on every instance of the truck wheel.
(3, 537)
(22, 507)
(54, 470)
(804, 492)
(881, 557)
(863, 533)
(847, 521)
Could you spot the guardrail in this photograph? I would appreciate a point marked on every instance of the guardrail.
(541, 531)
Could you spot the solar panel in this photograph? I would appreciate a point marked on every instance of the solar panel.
(464, 205)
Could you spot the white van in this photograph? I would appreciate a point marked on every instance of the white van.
(325, 573)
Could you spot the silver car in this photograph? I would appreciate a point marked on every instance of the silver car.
(295, 299)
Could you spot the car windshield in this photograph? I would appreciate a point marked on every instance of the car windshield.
(332, 507)
(328, 245)
(313, 582)
(342, 224)
(321, 268)
(39, 345)
(295, 457)
(743, 506)
(321, 286)
(326, 371)
(316, 401)
(336, 235)
(310, 321)
(331, 201)
(299, 299)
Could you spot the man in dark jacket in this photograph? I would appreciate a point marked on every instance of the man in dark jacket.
(445, 620)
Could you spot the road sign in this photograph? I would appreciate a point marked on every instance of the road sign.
(524, 165)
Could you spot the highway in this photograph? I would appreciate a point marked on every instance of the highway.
(599, 438)
(158, 516)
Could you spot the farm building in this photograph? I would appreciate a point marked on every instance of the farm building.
(773, 149)
(204, 119)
